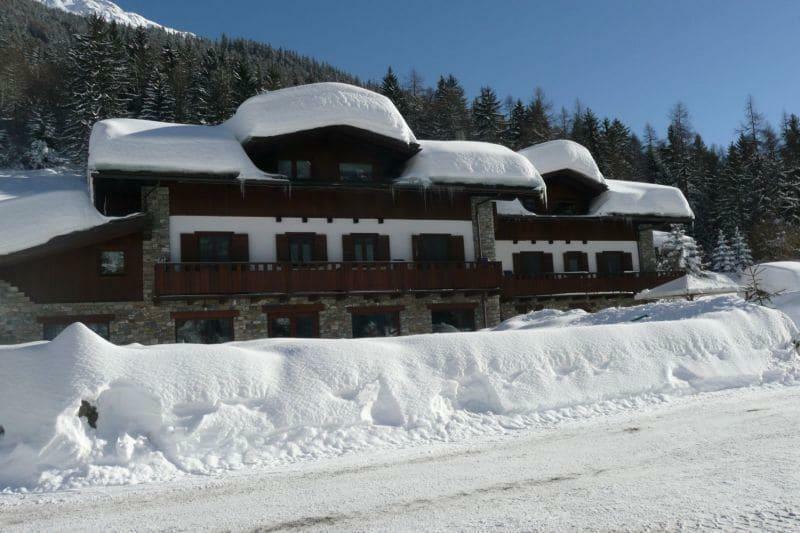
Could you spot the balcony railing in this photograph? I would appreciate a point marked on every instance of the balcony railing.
(583, 283)
(211, 279)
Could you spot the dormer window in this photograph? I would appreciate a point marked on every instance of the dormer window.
(355, 172)
(297, 169)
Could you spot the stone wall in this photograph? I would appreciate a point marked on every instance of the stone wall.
(647, 251)
(483, 228)
(512, 308)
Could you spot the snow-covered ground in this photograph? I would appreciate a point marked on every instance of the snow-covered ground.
(726, 460)
(664, 415)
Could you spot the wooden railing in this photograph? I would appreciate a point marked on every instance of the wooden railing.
(583, 283)
(187, 279)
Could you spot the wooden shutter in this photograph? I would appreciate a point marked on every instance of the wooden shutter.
(320, 252)
(455, 248)
(240, 248)
(190, 250)
(583, 261)
(415, 247)
(601, 263)
(382, 252)
(348, 248)
(627, 262)
(547, 263)
(517, 258)
(282, 247)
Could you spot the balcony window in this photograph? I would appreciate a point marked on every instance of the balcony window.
(301, 249)
(533, 263)
(453, 320)
(285, 168)
(214, 248)
(204, 330)
(434, 248)
(303, 170)
(355, 172)
(364, 247)
(298, 169)
(376, 324)
(575, 262)
(112, 263)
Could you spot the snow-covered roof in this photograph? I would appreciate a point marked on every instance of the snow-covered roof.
(144, 146)
(691, 285)
(637, 198)
(469, 163)
(39, 205)
(776, 276)
(563, 154)
(318, 105)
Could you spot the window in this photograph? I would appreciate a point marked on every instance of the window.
(298, 325)
(376, 324)
(214, 248)
(612, 263)
(364, 247)
(434, 247)
(355, 171)
(575, 262)
(52, 328)
(300, 169)
(204, 330)
(301, 248)
(453, 320)
(533, 263)
(112, 263)
(565, 208)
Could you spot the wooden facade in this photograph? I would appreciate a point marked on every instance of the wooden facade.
(508, 228)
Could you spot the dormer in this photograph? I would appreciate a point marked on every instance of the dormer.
(325, 132)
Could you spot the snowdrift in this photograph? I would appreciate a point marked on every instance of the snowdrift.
(170, 410)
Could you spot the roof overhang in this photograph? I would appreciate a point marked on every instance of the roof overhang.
(577, 178)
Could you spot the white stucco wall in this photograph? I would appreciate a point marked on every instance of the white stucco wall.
(506, 249)
(262, 232)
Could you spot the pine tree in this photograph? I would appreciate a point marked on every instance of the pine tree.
(681, 253)
(742, 256)
(449, 112)
(5, 148)
(97, 84)
(536, 127)
(140, 64)
(615, 159)
(722, 260)
(487, 120)
(245, 84)
(390, 88)
(159, 102)
(516, 122)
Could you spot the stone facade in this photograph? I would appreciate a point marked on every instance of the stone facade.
(647, 252)
(483, 228)
(511, 308)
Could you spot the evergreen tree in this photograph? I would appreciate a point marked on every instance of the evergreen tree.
(449, 113)
(590, 134)
(536, 127)
(245, 83)
(390, 88)
(722, 260)
(742, 256)
(5, 149)
(97, 84)
(681, 253)
(159, 102)
(615, 158)
(487, 120)
(140, 65)
(516, 122)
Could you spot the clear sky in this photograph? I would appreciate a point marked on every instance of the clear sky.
(625, 58)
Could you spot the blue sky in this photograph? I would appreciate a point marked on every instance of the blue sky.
(625, 58)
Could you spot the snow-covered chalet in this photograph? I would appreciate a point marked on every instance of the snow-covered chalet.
(315, 212)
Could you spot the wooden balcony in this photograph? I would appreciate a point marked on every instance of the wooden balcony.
(516, 286)
(226, 279)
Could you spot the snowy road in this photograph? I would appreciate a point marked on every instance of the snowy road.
(727, 460)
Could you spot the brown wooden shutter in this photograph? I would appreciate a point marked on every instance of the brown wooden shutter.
(240, 248)
(627, 262)
(415, 242)
(282, 246)
(190, 250)
(547, 263)
(455, 248)
(601, 263)
(348, 248)
(517, 258)
(583, 261)
(320, 248)
(383, 252)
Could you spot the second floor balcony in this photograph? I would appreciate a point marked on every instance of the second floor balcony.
(580, 283)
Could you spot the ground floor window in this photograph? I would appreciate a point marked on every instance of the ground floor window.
(298, 325)
(376, 322)
(204, 330)
(452, 320)
(52, 328)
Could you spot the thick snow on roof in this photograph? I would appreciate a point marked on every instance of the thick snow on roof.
(563, 154)
(145, 146)
(38, 205)
(469, 163)
(776, 277)
(318, 105)
(691, 285)
(636, 198)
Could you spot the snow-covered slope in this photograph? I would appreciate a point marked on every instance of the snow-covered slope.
(165, 411)
(108, 10)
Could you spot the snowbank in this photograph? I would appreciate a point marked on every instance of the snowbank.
(690, 285)
(636, 198)
(563, 154)
(169, 410)
(777, 276)
(134, 145)
(469, 163)
(38, 205)
(318, 105)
